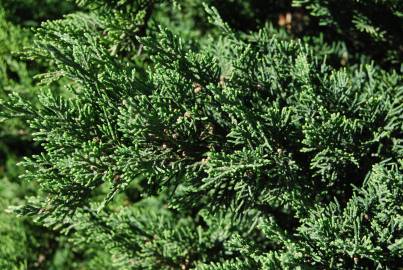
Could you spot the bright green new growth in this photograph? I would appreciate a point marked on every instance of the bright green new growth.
(232, 151)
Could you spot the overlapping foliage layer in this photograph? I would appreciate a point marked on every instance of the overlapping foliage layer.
(168, 139)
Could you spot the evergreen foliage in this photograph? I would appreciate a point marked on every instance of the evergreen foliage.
(373, 27)
(170, 139)
(24, 245)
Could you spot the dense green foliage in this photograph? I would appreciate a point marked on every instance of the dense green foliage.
(183, 135)
(24, 245)
(373, 27)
